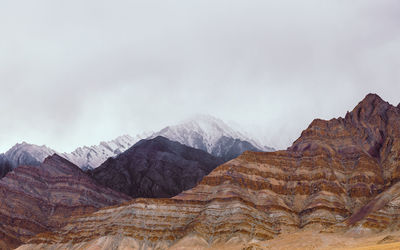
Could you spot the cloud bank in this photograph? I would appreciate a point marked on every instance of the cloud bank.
(77, 72)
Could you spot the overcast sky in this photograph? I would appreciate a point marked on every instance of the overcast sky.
(77, 72)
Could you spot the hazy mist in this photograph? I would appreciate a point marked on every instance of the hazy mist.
(74, 73)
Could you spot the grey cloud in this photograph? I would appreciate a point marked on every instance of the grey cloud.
(78, 72)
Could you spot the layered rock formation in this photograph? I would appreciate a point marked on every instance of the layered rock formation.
(42, 198)
(155, 168)
(380, 213)
(339, 174)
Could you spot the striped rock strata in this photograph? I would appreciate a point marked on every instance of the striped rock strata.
(331, 173)
(35, 199)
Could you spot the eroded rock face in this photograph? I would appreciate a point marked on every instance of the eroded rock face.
(156, 168)
(339, 174)
(42, 198)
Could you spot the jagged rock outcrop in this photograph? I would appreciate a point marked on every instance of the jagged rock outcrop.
(155, 168)
(35, 199)
(339, 174)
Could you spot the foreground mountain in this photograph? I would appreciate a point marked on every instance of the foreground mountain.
(155, 168)
(340, 175)
(211, 135)
(35, 199)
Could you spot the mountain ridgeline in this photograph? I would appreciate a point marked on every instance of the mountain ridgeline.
(202, 132)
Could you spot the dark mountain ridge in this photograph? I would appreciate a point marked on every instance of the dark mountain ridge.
(155, 168)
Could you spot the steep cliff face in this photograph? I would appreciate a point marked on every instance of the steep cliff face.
(338, 175)
(155, 168)
(42, 198)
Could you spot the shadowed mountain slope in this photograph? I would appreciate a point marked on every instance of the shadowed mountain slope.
(155, 168)
(5, 166)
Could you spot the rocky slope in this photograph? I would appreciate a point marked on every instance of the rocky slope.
(341, 174)
(41, 198)
(155, 168)
(212, 135)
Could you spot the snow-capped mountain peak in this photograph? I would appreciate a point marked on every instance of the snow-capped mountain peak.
(88, 157)
(204, 132)
(29, 154)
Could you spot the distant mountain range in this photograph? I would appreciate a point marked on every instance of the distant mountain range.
(201, 132)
